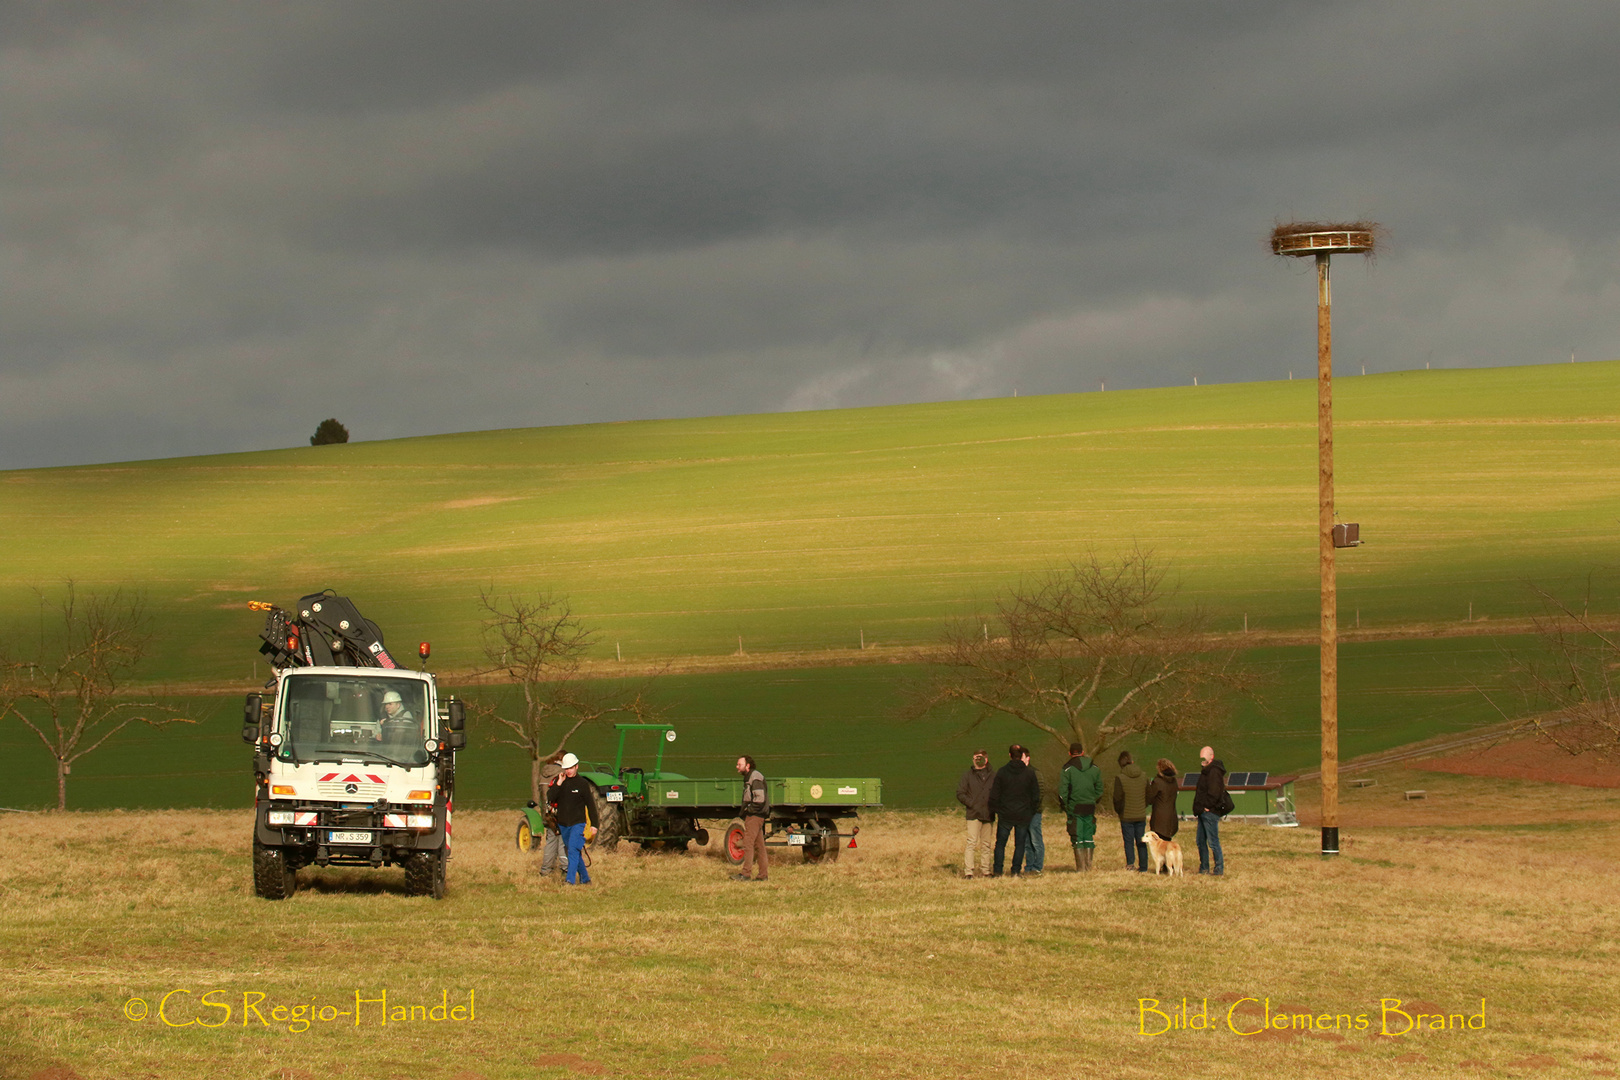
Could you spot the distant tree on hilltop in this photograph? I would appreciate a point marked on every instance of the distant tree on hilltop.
(329, 432)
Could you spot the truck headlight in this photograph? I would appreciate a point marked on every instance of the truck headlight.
(419, 821)
(279, 817)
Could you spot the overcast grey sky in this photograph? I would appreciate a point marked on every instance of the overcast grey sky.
(221, 223)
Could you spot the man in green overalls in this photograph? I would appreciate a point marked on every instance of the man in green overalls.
(1078, 793)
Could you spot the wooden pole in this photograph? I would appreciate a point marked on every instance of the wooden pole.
(1330, 599)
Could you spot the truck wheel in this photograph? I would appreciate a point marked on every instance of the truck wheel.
(273, 878)
(734, 843)
(525, 838)
(425, 874)
(609, 824)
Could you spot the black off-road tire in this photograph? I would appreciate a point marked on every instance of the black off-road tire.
(273, 878)
(425, 874)
(609, 823)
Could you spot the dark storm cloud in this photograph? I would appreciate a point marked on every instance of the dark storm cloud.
(429, 217)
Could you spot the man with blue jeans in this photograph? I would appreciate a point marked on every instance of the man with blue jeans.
(1015, 796)
(576, 817)
(1036, 862)
(1207, 800)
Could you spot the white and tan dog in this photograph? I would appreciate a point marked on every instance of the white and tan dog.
(1164, 853)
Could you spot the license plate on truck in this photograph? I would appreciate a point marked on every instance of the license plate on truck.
(348, 838)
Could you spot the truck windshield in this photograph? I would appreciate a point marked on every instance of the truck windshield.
(347, 717)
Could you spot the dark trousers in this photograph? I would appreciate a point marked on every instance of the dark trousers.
(1020, 835)
(1209, 840)
(1135, 846)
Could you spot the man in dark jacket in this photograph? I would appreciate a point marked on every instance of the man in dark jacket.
(1161, 796)
(973, 792)
(1015, 795)
(1130, 803)
(1078, 794)
(1207, 800)
(575, 804)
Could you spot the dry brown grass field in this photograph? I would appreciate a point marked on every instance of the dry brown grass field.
(883, 964)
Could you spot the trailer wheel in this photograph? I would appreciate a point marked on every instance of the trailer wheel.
(734, 842)
(425, 874)
(609, 823)
(525, 838)
(273, 877)
(830, 846)
(823, 844)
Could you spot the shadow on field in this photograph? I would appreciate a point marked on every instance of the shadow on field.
(387, 882)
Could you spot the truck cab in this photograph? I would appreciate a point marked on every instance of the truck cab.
(354, 766)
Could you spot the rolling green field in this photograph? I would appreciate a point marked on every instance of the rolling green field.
(802, 533)
(804, 530)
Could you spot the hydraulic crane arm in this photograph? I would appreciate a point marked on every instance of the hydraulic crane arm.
(326, 630)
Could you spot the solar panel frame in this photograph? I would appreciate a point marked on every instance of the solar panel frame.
(1258, 779)
(1189, 780)
(1237, 779)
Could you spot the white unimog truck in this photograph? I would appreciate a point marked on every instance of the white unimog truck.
(354, 757)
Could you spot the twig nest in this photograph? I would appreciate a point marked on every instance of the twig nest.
(1330, 238)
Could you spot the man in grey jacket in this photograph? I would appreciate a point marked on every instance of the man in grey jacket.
(973, 792)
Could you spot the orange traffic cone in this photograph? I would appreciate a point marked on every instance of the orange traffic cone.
(852, 836)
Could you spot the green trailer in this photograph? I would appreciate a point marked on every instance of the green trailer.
(662, 810)
(1256, 796)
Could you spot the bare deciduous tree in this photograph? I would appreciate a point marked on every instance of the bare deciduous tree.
(1088, 653)
(1571, 692)
(69, 691)
(538, 643)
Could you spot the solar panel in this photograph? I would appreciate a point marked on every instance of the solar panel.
(1237, 779)
(1257, 779)
(1190, 780)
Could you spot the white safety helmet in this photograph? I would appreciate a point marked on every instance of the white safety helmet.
(393, 698)
(568, 761)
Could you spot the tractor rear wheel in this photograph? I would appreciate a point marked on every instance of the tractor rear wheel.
(273, 877)
(609, 823)
(525, 838)
(425, 874)
(734, 842)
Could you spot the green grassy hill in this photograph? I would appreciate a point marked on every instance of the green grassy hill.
(805, 531)
(802, 530)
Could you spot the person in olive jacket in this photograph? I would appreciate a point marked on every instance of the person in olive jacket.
(1015, 796)
(973, 792)
(1161, 797)
(1130, 803)
(1078, 794)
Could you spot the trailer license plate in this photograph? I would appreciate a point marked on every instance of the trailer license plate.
(796, 839)
(348, 838)
(615, 796)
